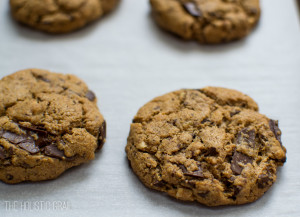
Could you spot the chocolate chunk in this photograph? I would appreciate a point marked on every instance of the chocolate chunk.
(234, 113)
(212, 151)
(192, 9)
(102, 135)
(14, 138)
(246, 136)
(192, 183)
(283, 160)
(159, 184)
(35, 129)
(236, 190)
(9, 177)
(29, 146)
(53, 151)
(198, 173)
(205, 120)
(1, 132)
(203, 194)
(252, 11)
(264, 180)
(2, 153)
(274, 128)
(43, 141)
(40, 77)
(90, 95)
(237, 159)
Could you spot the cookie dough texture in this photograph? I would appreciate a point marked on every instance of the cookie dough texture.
(207, 21)
(48, 123)
(209, 145)
(59, 16)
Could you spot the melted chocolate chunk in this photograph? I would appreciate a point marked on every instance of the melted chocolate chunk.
(40, 77)
(102, 135)
(90, 95)
(2, 153)
(237, 159)
(192, 9)
(198, 173)
(274, 128)
(53, 151)
(246, 136)
(9, 177)
(252, 11)
(212, 151)
(205, 120)
(236, 190)
(29, 146)
(43, 141)
(192, 183)
(264, 180)
(35, 129)
(25, 142)
(203, 194)
(15, 138)
(234, 113)
(159, 184)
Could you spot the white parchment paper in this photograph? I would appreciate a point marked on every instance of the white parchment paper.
(126, 60)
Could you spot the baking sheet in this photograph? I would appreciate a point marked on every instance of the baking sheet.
(127, 61)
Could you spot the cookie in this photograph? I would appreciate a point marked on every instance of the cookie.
(59, 16)
(207, 21)
(209, 145)
(49, 122)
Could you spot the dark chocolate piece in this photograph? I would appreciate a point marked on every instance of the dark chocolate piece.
(192, 9)
(237, 159)
(274, 128)
(237, 190)
(159, 184)
(198, 173)
(40, 77)
(2, 153)
(42, 141)
(9, 177)
(90, 95)
(53, 151)
(35, 129)
(102, 135)
(14, 138)
(203, 194)
(212, 151)
(234, 113)
(29, 146)
(264, 180)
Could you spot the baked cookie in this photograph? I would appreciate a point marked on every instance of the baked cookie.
(59, 16)
(209, 145)
(208, 21)
(48, 123)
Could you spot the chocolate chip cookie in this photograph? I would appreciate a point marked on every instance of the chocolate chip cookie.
(209, 145)
(49, 122)
(207, 21)
(59, 16)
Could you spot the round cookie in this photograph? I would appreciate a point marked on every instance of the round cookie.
(207, 21)
(209, 145)
(59, 16)
(49, 122)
